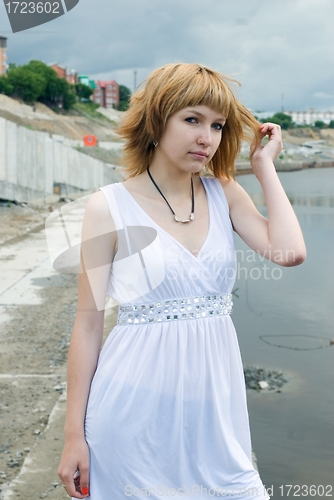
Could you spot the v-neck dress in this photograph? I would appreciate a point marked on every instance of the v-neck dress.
(167, 412)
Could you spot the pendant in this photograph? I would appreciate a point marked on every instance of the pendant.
(191, 217)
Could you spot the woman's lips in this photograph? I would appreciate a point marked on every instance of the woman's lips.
(199, 154)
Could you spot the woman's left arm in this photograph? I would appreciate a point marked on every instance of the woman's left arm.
(278, 238)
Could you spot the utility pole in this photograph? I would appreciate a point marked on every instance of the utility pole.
(282, 103)
(134, 80)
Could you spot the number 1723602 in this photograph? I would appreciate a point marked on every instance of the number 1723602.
(33, 7)
(304, 490)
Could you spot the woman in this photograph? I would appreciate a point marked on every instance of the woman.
(162, 409)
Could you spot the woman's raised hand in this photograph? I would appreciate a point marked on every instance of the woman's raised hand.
(261, 154)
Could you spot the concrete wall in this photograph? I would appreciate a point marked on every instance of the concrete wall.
(31, 163)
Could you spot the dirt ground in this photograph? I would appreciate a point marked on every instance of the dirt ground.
(34, 340)
(75, 126)
(297, 136)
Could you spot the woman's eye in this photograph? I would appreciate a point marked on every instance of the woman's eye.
(218, 126)
(191, 119)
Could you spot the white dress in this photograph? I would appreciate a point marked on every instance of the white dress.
(167, 412)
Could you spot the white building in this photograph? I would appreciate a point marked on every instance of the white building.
(310, 117)
(3, 55)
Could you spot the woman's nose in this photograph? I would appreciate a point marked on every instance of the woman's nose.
(205, 137)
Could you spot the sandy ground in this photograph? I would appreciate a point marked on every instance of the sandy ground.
(40, 117)
(299, 135)
(37, 310)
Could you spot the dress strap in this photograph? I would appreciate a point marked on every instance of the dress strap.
(108, 192)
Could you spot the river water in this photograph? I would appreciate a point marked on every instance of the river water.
(284, 318)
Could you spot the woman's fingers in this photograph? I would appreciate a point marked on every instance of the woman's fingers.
(73, 469)
(84, 480)
(68, 483)
(272, 130)
(77, 483)
(272, 148)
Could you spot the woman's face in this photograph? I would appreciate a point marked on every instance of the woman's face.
(190, 139)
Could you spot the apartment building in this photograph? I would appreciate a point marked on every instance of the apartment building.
(3, 55)
(310, 117)
(106, 94)
(70, 76)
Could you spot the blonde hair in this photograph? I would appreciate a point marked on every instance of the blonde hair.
(171, 88)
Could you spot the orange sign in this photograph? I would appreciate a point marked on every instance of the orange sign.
(90, 140)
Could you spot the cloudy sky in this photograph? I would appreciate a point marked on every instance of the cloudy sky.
(274, 48)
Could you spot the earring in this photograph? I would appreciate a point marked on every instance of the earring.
(155, 143)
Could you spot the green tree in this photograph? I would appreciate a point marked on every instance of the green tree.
(331, 124)
(5, 86)
(124, 98)
(83, 91)
(320, 124)
(56, 88)
(37, 81)
(68, 100)
(26, 84)
(285, 121)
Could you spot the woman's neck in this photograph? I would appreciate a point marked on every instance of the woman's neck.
(171, 180)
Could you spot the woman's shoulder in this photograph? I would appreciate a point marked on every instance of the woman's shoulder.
(223, 181)
(223, 186)
(99, 212)
(234, 192)
(112, 187)
(109, 192)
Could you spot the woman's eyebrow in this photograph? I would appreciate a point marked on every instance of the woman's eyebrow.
(198, 113)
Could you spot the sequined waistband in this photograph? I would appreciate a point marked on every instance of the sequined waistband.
(176, 309)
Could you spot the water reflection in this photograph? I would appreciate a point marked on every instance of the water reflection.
(285, 322)
(312, 201)
(309, 187)
(297, 342)
(299, 200)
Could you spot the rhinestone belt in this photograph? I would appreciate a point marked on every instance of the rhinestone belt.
(176, 309)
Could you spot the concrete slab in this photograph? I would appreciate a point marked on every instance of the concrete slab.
(11, 152)
(25, 290)
(24, 268)
(3, 148)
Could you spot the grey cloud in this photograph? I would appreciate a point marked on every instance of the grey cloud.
(279, 47)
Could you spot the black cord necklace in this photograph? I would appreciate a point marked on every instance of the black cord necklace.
(191, 216)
